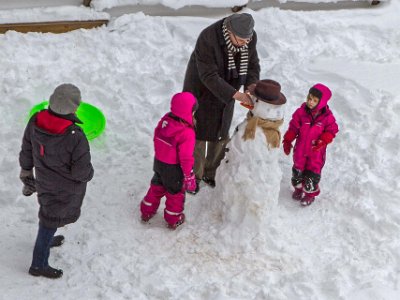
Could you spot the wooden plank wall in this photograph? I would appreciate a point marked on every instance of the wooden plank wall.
(54, 27)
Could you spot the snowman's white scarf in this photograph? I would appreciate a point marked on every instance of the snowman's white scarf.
(270, 129)
(244, 58)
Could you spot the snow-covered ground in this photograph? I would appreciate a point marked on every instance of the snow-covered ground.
(49, 14)
(345, 246)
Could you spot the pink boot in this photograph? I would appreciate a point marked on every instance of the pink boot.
(308, 198)
(297, 194)
(173, 212)
(151, 201)
(175, 221)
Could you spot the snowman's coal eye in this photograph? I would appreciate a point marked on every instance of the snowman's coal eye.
(257, 100)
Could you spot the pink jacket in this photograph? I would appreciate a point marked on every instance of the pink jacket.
(174, 136)
(307, 129)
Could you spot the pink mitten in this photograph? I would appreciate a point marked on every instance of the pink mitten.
(189, 182)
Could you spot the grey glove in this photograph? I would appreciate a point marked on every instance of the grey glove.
(28, 180)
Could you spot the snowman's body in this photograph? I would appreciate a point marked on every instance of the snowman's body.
(248, 180)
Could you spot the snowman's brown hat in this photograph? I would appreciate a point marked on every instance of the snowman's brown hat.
(268, 90)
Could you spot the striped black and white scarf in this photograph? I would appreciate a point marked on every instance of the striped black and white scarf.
(244, 58)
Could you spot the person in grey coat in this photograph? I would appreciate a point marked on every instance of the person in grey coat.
(58, 150)
(224, 59)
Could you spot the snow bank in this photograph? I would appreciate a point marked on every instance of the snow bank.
(174, 4)
(63, 13)
(177, 4)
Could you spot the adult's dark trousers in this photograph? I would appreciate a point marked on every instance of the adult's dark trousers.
(207, 157)
(41, 252)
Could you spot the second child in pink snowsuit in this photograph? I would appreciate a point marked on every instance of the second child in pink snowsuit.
(174, 140)
(314, 127)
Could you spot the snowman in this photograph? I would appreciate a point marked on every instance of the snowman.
(249, 177)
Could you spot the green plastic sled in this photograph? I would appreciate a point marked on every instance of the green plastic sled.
(93, 119)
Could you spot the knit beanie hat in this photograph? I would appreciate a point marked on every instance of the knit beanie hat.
(65, 99)
(241, 25)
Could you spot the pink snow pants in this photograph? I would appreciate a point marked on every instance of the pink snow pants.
(174, 203)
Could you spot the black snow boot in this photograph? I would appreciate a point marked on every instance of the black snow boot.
(209, 181)
(47, 272)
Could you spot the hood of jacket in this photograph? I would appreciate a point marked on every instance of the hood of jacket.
(51, 123)
(326, 95)
(183, 105)
(50, 129)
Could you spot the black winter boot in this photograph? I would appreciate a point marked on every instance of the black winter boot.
(209, 181)
(47, 272)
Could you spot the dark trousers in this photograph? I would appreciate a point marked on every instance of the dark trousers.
(41, 252)
(207, 157)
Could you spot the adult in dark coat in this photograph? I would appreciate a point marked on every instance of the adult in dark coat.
(58, 150)
(224, 59)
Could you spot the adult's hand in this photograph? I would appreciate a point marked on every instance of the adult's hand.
(243, 98)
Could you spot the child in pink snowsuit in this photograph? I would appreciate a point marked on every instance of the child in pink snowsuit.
(314, 127)
(174, 140)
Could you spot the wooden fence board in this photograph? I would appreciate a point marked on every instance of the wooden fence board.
(54, 27)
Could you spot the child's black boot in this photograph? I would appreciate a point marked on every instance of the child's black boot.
(47, 272)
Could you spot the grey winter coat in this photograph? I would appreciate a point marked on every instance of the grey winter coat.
(207, 78)
(59, 151)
